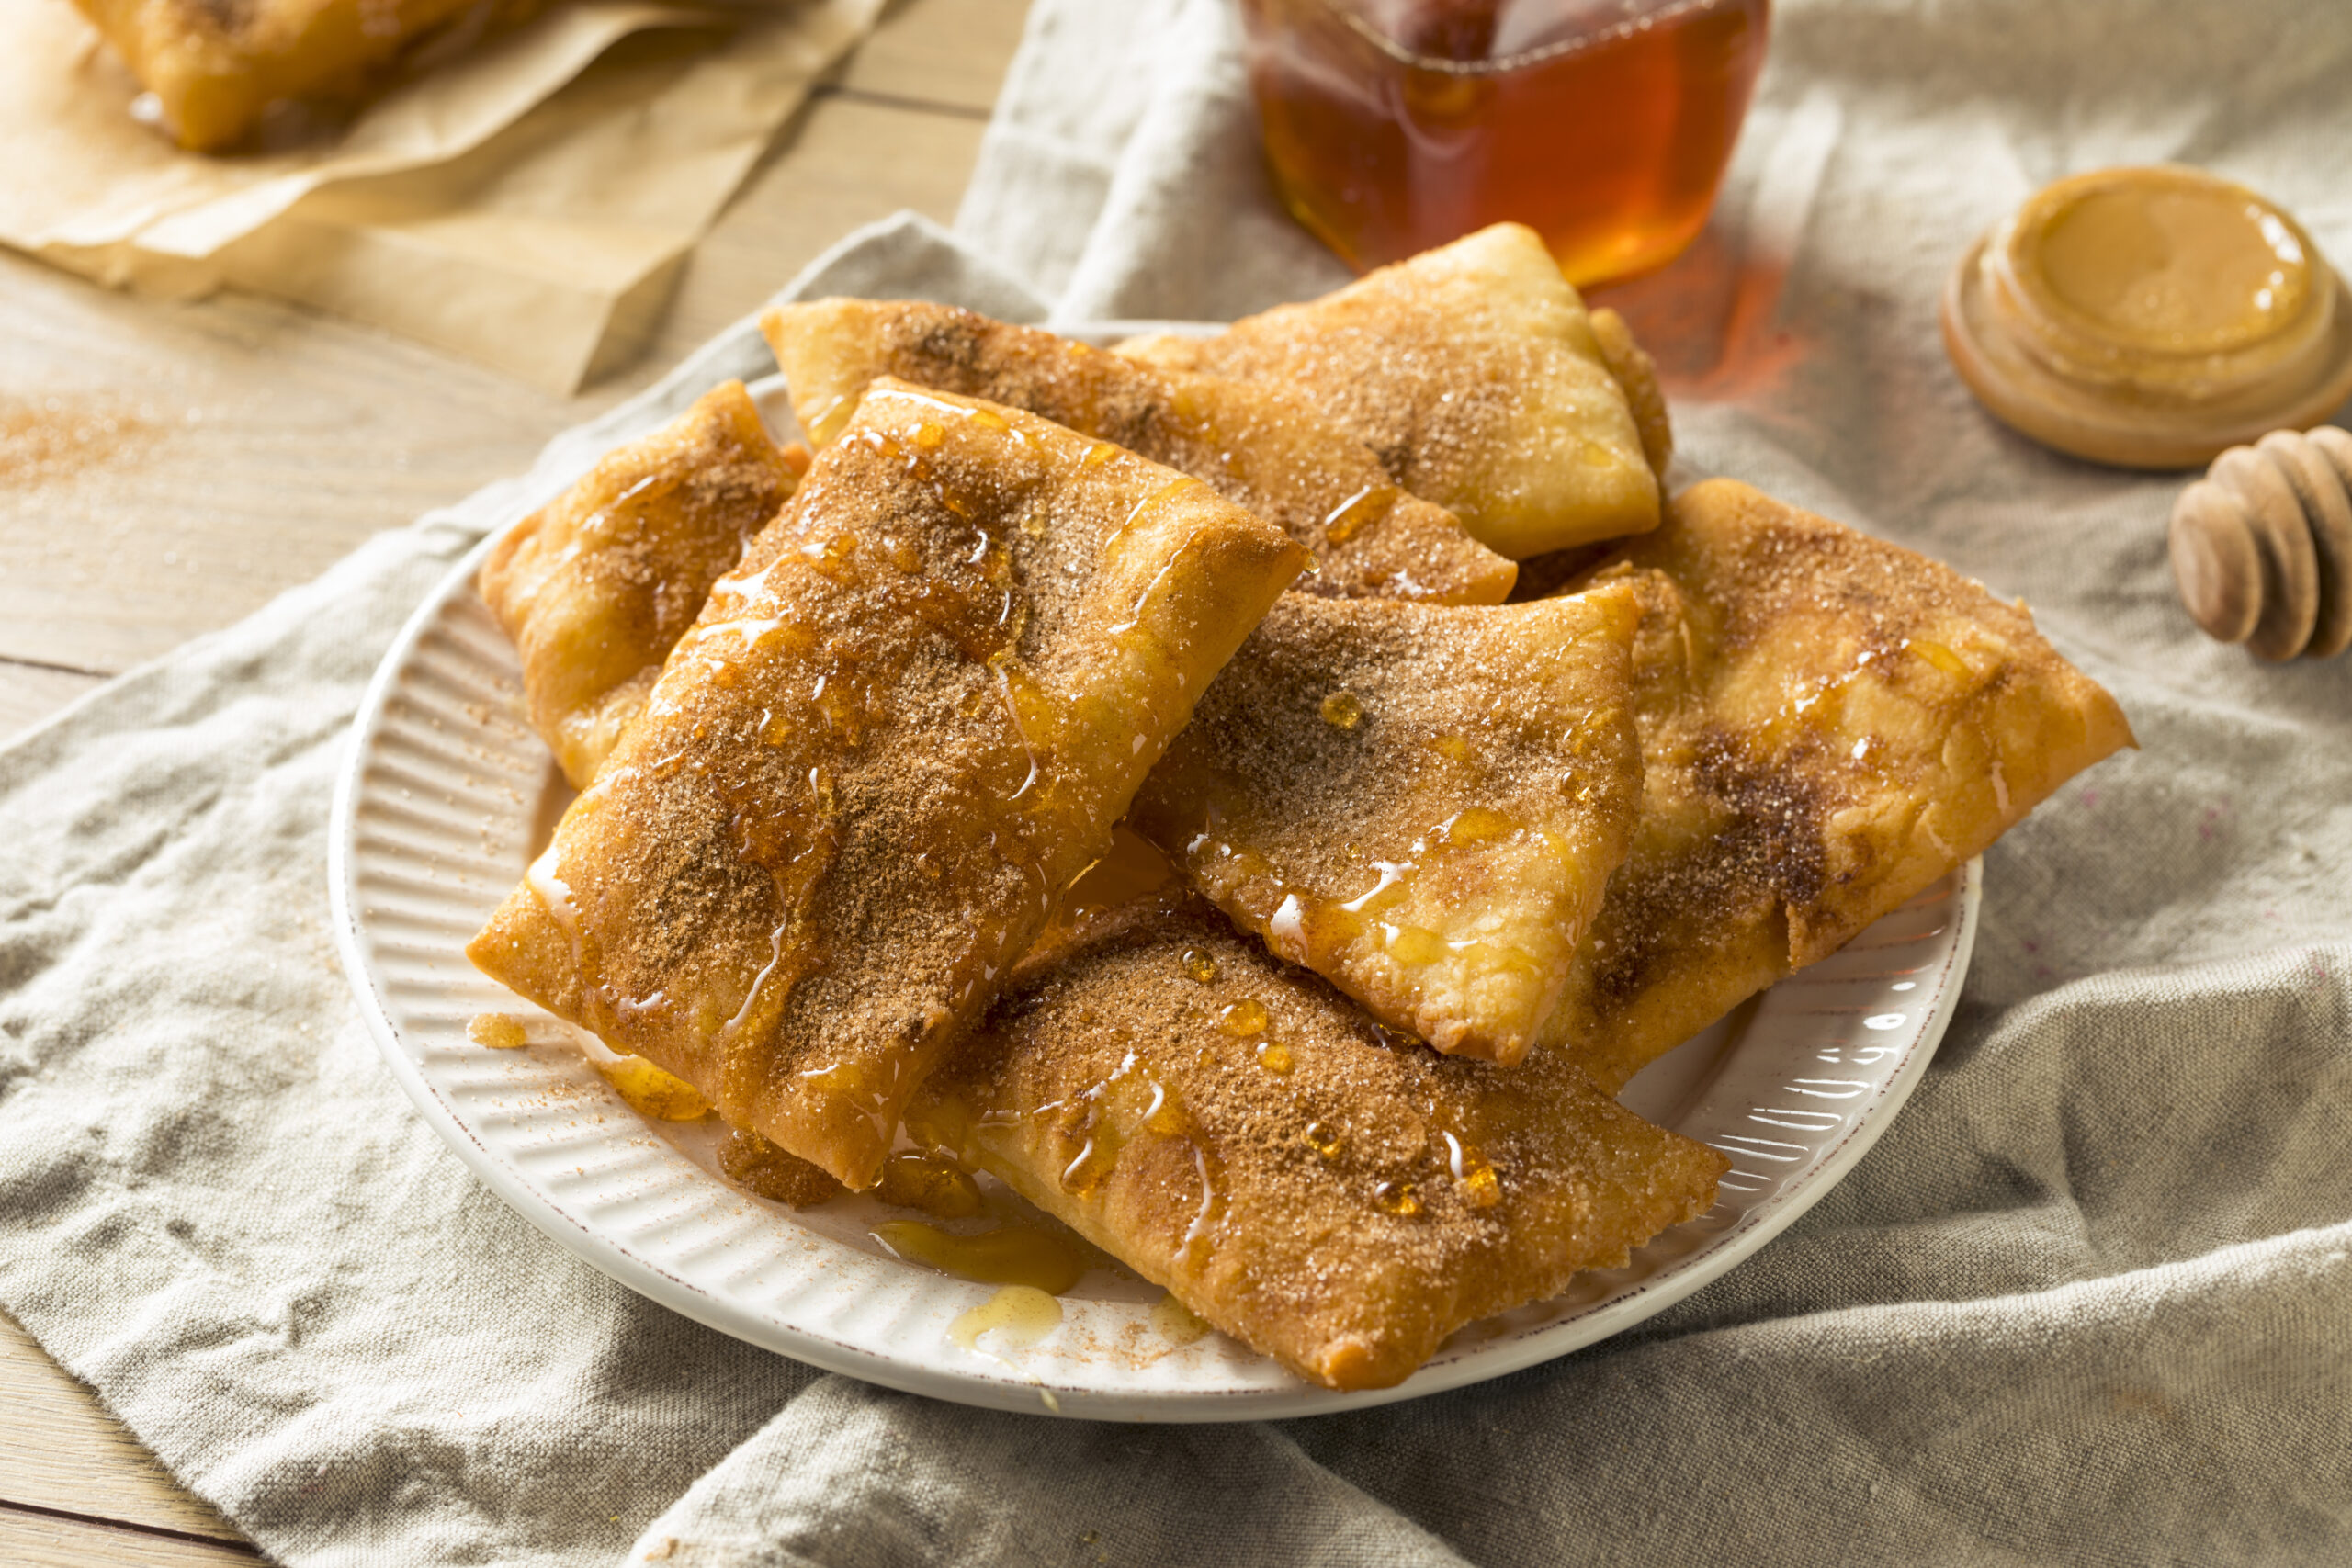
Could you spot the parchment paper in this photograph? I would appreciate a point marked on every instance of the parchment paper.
(521, 205)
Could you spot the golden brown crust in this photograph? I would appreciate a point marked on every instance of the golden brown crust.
(1638, 374)
(1829, 723)
(216, 68)
(1262, 447)
(1337, 1197)
(1423, 804)
(901, 727)
(597, 588)
(1473, 372)
(751, 1161)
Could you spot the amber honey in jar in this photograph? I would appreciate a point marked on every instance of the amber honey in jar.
(1392, 126)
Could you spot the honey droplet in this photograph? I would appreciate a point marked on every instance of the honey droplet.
(652, 1092)
(497, 1030)
(1324, 1139)
(832, 553)
(1175, 1322)
(1397, 1198)
(1199, 965)
(1340, 710)
(929, 435)
(1019, 1315)
(1098, 453)
(1366, 506)
(1274, 1056)
(1033, 525)
(1480, 1188)
(1244, 1018)
(1477, 825)
(929, 1183)
(1415, 944)
(1451, 746)
(993, 421)
(1009, 1255)
(1942, 657)
(1166, 1115)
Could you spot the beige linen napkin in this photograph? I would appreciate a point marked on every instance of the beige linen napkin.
(524, 204)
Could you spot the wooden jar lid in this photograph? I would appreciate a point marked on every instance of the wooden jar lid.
(2150, 317)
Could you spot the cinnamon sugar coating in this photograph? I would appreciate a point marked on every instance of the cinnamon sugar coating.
(216, 67)
(599, 586)
(1264, 448)
(1334, 1196)
(1828, 724)
(1423, 804)
(900, 728)
(1474, 373)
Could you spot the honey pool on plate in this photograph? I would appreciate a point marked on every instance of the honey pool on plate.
(1393, 125)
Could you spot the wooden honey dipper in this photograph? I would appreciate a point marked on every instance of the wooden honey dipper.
(2262, 546)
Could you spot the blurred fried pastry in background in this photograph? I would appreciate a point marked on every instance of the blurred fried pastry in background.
(1828, 724)
(1262, 446)
(1474, 372)
(1335, 1196)
(900, 729)
(217, 67)
(1422, 803)
(597, 588)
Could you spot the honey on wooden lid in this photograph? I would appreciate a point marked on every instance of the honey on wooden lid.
(2150, 317)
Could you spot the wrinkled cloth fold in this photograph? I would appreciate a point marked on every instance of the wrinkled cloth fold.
(2088, 1301)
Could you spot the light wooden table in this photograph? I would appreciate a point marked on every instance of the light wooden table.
(166, 468)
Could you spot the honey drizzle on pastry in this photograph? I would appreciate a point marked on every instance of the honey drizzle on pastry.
(1345, 1215)
(1265, 448)
(1421, 804)
(922, 697)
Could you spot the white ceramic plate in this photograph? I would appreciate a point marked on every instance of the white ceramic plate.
(447, 792)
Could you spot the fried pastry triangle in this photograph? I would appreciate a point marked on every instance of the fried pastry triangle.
(597, 588)
(1828, 724)
(1474, 372)
(1421, 803)
(1336, 1197)
(215, 68)
(899, 730)
(1263, 447)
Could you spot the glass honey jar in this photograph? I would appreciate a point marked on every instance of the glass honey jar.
(1392, 126)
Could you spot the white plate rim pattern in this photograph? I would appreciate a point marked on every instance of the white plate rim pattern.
(414, 996)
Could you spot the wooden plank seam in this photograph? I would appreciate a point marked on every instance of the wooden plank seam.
(98, 1521)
